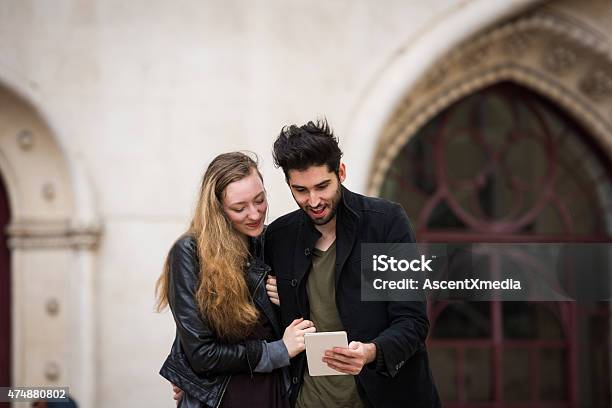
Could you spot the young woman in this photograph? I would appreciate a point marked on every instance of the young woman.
(226, 352)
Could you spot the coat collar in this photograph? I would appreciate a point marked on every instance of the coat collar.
(347, 223)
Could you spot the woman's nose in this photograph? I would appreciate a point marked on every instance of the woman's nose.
(252, 213)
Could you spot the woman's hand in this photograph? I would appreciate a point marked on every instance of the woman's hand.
(178, 393)
(272, 290)
(294, 335)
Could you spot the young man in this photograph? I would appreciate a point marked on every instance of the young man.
(315, 252)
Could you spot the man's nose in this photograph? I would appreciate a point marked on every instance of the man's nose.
(314, 200)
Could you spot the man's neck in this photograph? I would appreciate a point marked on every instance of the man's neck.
(328, 235)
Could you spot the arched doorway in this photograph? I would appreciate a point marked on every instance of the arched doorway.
(5, 291)
(505, 164)
(47, 319)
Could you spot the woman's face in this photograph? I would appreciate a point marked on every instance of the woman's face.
(244, 202)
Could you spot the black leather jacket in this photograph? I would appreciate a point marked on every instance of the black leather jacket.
(199, 363)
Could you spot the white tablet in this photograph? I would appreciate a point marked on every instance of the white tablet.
(316, 344)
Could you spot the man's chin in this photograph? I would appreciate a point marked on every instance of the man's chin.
(321, 221)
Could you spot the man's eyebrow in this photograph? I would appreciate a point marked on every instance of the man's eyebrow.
(244, 202)
(316, 185)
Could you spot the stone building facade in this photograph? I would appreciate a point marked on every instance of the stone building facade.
(110, 111)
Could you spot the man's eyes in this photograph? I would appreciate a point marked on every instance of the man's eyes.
(318, 188)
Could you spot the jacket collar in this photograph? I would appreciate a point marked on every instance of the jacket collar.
(348, 204)
(347, 223)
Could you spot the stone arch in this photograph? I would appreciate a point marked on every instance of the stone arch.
(562, 60)
(399, 76)
(52, 235)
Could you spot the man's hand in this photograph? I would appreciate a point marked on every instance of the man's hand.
(352, 359)
(178, 393)
(272, 290)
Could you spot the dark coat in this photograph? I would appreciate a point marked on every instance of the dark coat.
(401, 377)
(199, 363)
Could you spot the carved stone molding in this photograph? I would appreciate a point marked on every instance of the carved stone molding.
(559, 58)
(43, 234)
(562, 60)
(597, 85)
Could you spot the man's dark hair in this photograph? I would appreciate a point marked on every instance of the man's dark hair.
(300, 147)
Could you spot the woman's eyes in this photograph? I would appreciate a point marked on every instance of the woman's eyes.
(258, 202)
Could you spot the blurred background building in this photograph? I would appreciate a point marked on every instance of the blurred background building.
(490, 121)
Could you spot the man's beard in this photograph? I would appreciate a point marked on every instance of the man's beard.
(334, 208)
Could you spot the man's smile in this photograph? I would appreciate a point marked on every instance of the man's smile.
(318, 212)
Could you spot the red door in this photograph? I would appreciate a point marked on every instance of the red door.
(5, 292)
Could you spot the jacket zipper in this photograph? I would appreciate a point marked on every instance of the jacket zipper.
(259, 283)
(223, 391)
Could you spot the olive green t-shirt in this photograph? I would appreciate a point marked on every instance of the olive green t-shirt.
(326, 391)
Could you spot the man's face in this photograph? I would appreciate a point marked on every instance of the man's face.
(317, 191)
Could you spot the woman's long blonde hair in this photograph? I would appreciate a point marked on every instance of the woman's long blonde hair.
(222, 295)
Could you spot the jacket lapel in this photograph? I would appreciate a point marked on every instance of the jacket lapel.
(346, 232)
(307, 236)
(252, 277)
(256, 275)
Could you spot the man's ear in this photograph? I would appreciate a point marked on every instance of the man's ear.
(341, 172)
